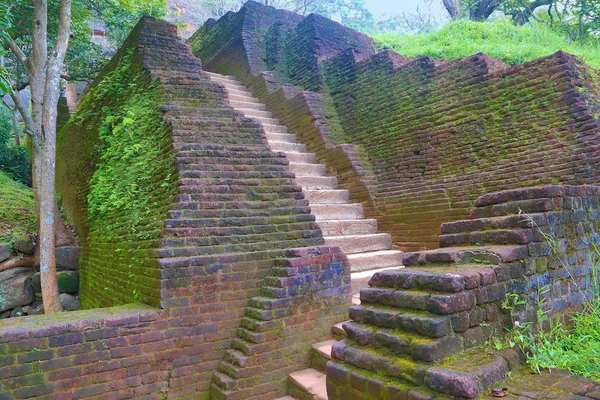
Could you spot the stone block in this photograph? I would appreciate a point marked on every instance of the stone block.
(15, 289)
(5, 252)
(24, 245)
(67, 257)
(453, 383)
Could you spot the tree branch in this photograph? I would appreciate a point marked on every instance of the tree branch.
(27, 120)
(16, 50)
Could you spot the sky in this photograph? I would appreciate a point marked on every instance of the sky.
(398, 6)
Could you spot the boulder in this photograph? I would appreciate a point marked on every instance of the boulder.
(68, 282)
(5, 252)
(37, 310)
(70, 303)
(24, 245)
(67, 257)
(15, 288)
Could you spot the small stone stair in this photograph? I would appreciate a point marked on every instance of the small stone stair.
(341, 222)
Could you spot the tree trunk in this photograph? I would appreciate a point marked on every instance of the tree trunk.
(452, 8)
(50, 292)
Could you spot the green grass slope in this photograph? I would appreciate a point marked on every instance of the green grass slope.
(499, 39)
(17, 209)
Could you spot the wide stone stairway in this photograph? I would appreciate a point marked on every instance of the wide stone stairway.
(341, 222)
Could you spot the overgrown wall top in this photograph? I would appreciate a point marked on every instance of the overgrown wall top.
(440, 135)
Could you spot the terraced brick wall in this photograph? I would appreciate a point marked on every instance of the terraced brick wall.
(180, 205)
(440, 135)
(424, 331)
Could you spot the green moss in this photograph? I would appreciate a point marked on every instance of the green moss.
(17, 210)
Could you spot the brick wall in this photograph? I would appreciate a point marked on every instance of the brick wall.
(232, 224)
(440, 135)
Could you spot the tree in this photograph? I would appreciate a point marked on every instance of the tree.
(38, 35)
(44, 68)
(475, 10)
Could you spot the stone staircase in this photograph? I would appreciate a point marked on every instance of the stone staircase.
(342, 222)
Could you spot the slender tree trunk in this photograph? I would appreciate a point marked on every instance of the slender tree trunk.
(15, 123)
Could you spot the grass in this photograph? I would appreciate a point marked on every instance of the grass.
(17, 209)
(499, 39)
(575, 348)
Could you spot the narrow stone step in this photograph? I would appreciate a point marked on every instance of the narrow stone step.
(253, 113)
(305, 169)
(224, 381)
(348, 227)
(375, 260)
(247, 105)
(523, 221)
(235, 92)
(219, 76)
(293, 156)
(283, 146)
(338, 329)
(336, 211)
(318, 182)
(288, 397)
(268, 121)
(310, 381)
(352, 244)
(281, 137)
(491, 237)
(494, 254)
(360, 280)
(275, 128)
(242, 98)
(324, 348)
(327, 196)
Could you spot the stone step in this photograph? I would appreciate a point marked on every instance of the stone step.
(288, 397)
(294, 156)
(336, 211)
(243, 98)
(308, 382)
(338, 196)
(229, 85)
(281, 137)
(253, 113)
(491, 237)
(236, 92)
(324, 348)
(247, 105)
(236, 357)
(353, 244)
(321, 354)
(216, 75)
(285, 147)
(375, 260)
(524, 221)
(469, 254)
(348, 227)
(268, 121)
(419, 347)
(377, 360)
(274, 128)
(439, 279)
(421, 322)
(338, 329)
(317, 182)
(360, 280)
(224, 381)
(305, 169)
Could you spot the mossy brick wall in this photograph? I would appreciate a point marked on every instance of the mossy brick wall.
(440, 135)
(234, 218)
(534, 243)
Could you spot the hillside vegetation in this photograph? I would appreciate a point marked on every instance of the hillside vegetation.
(499, 39)
(17, 209)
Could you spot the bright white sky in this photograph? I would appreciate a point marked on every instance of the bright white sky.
(398, 6)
